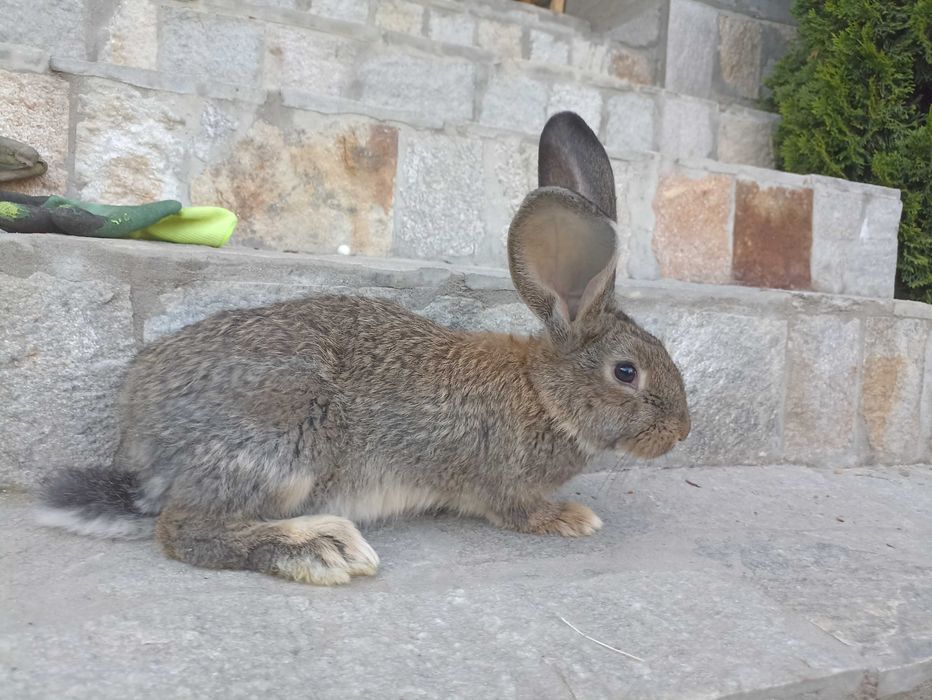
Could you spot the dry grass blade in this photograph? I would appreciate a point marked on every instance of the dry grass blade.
(601, 644)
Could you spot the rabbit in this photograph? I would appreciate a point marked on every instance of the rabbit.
(254, 438)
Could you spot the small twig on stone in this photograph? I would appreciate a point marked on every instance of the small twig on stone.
(603, 644)
(693, 483)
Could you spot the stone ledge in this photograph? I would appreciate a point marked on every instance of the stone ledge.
(758, 364)
(778, 582)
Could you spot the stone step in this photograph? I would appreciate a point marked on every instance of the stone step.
(311, 174)
(740, 583)
(773, 377)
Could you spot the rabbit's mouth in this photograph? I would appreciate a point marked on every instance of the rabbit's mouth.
(650, 443)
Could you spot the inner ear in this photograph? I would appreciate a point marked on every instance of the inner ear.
(568, 254)
(562, 253)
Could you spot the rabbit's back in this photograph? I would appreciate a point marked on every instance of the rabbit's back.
(250, 398)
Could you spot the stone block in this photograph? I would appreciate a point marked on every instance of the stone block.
(131, 145)
(585, 101)
(636, 187)
(210, 46)
(503, 39)
(312, 61)
(34, 109)
(452, 28)
(331, 183)
(631, 65)
(687, 128)
(772, 236)
(439, 207)
(692, 241)
(346, 10)
(510, 173)
(130, 38)
(515, 101)
(891, 388)
(821, 391)
(925, 405)
(739, 55)
(546, 47)
(854, 240)
(400, 16)
(631, 122)
(63, 346)
(57, 26)
(641, 29)
(588, 55)
(692, 38)
(441, 87)
(718, 352)
(745, 137)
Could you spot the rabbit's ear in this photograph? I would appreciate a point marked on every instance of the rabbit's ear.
(562, 252)
(570, 156)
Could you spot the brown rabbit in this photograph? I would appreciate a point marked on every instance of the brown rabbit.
(252, 438)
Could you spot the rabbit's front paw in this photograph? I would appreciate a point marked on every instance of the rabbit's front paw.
(568, 519)
(323, 550)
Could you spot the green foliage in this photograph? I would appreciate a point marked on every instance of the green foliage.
(854, 93)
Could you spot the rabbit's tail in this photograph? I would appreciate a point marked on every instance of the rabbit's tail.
(95, 502)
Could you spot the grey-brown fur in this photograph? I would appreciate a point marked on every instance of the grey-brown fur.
(237, 428)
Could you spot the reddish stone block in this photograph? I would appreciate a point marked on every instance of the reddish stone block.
(772, 236)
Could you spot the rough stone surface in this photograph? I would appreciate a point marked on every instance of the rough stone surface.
(692, 38)
(705, 346)
(511, 172)
(630, 65)
(400, 16)
(726, 590)
(452, 28)
(772, 236)
(630, 122)
(739, 55)
(311, 61)
(588, 55)
(439, 87)
(746, 138)
(346, 10)
(821, 389)
(854, 240)
(636, 185)
(439, 216)
(34, 110)
(210, 47)
(692, 241)
(64, 342)
(894, 353)
(515, 102)
(643, 29)
(585, 101)
(131, 144)
(501, 38)
(131, 38)
(322, 183)
(687, 128)
(548, 48)
(55, 26)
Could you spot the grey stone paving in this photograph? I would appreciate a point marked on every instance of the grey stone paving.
(749, 582)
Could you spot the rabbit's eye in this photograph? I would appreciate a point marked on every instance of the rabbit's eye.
(625, 372)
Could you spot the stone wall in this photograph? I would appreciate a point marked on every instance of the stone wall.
(408, 129)
(715, 49)
(772, 376)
